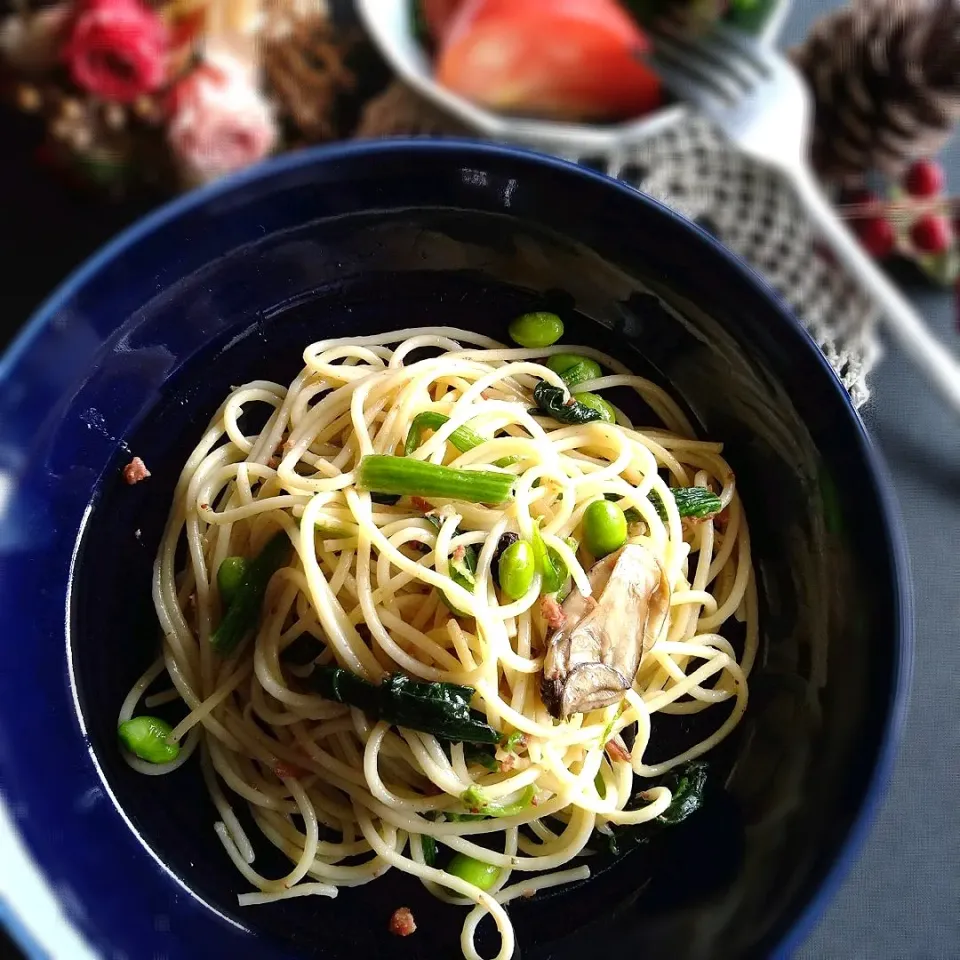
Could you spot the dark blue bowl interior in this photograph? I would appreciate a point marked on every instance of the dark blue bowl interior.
(137, 352)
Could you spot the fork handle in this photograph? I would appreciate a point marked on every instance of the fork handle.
(903, 321)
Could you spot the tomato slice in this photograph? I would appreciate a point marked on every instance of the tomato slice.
(563, 59)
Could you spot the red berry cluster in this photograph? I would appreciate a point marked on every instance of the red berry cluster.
(928, 233)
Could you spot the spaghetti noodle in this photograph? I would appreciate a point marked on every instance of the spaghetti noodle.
(370, 586)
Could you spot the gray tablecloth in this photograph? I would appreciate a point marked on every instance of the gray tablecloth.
(902, 899)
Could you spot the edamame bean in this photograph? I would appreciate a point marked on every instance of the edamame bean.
(516, 569)
(573, 368)
(230, 576)
(604, 528)
(482, 875)
(146, 738)
(540, 329)
(595, 402)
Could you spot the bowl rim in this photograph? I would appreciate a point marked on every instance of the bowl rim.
(28, 908)
(568, 136)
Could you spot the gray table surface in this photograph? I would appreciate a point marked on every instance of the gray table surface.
(901, 901)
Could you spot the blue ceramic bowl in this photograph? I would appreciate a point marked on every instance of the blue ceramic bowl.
(134, 353)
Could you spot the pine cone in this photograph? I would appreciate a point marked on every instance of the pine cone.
(885, 76)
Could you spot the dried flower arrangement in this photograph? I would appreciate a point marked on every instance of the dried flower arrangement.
(178, 93)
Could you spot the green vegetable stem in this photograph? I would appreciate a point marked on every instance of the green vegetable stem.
(463, 438)
(386, 474)
(540, 329)
(441, 709)
(247, 595)
(230, 576)
(146, 738)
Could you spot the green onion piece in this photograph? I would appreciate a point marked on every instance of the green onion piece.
(230, 576)
(146, 738)
(481, 875)
(244, 610)
(386, 474)
(513, 741)
(478, 802)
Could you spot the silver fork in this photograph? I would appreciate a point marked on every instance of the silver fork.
(761, 104)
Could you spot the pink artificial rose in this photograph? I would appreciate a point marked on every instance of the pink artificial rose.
(117, 49)
(219, 122)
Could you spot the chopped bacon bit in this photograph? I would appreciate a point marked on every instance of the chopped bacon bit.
(286, 770)
(402, 923)
(552, 613)
(616, 749)
(488, 395)
(535, 800)
(460, 553)
(424, 506)
(527, 894)
(571, 401)
(135, 471)
(204, 506)
(273, 462)
(721, 520)
(508, 763)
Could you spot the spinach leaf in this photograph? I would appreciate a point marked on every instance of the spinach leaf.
(687, 783)
(551, 400)
(697, 502)
(441, 709)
